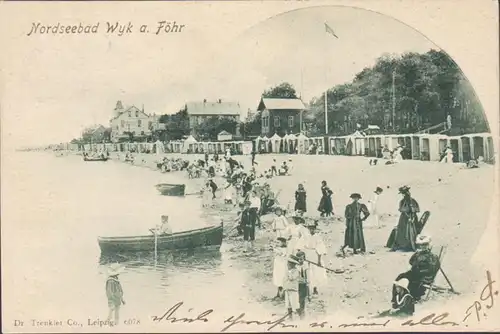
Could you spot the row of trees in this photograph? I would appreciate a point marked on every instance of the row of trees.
(424, 88)
(401, 94)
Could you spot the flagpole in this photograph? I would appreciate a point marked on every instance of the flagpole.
(394, 101)
(301, 92)
(326, 81)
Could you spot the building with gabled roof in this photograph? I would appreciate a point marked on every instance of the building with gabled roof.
(280, 116)
(199, 111)
(131, 121)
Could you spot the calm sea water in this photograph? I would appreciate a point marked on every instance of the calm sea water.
(53, 210)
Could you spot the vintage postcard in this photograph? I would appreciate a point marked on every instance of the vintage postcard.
(243, 166)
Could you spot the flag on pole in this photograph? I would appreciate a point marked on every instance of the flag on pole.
(329, 30)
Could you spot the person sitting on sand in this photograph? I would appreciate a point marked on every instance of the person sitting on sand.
(424, 267)
(283, 169)
(403, 303)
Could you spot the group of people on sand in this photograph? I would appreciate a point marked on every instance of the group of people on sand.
(298, 270)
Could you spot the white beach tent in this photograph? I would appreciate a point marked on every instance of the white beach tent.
(258, 140)
(275, 142)
(358, 143)
(159, 147)
(301, 143)
(188, 143)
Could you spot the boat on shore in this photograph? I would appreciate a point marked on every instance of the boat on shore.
(95, 159)
(203, 237)
(167, 189)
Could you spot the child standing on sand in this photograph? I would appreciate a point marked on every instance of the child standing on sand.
(374, 220)
(291, 286)
(114, 292)
(280, 266)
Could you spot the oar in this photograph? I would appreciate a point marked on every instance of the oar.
(337, 271)
(192, 193)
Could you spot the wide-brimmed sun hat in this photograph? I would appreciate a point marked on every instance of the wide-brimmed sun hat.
(115, 269)
(293, 259)
(423, 240)
(402, 283)
(379, 190)
(281, 239)
(355, 196)
(404, 189)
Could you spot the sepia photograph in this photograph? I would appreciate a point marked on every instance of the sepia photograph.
(249, 166)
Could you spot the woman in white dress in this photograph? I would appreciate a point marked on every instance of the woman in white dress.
(448, 155)
(294, 232)
(280, 223)
(314, 248)
(397, 154)
(280, 266)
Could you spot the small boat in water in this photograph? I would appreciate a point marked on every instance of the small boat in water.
(171, 189)
(203, 237)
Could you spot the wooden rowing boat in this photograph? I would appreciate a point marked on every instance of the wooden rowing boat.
(171, 189)
(94, 159)
(202, 237)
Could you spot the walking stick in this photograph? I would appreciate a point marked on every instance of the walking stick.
(336, 271)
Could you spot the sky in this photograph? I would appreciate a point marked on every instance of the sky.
(54, 86)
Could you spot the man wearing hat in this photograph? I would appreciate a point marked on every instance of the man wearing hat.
(424, 267)
(354, 237)
(248, 224)
(280, 223)
(406, 231)
(114, 292)
(314, 250)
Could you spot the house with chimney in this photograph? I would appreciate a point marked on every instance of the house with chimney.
(131, 122)
(280, 116)
(199, 111)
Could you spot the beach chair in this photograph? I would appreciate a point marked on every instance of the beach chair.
(429, 283)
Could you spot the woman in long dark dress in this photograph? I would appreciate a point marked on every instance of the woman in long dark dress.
(325, 204)
(354, 237)
(406, 231)
(300, 199)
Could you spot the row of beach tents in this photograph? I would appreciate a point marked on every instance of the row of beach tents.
(416, 146)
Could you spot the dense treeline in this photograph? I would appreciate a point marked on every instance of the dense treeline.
(427, 87)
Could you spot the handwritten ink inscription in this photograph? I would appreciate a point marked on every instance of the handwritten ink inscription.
(486, 300)
(239, 320)
(171, 315)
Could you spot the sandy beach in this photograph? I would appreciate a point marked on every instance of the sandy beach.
(459, 199)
